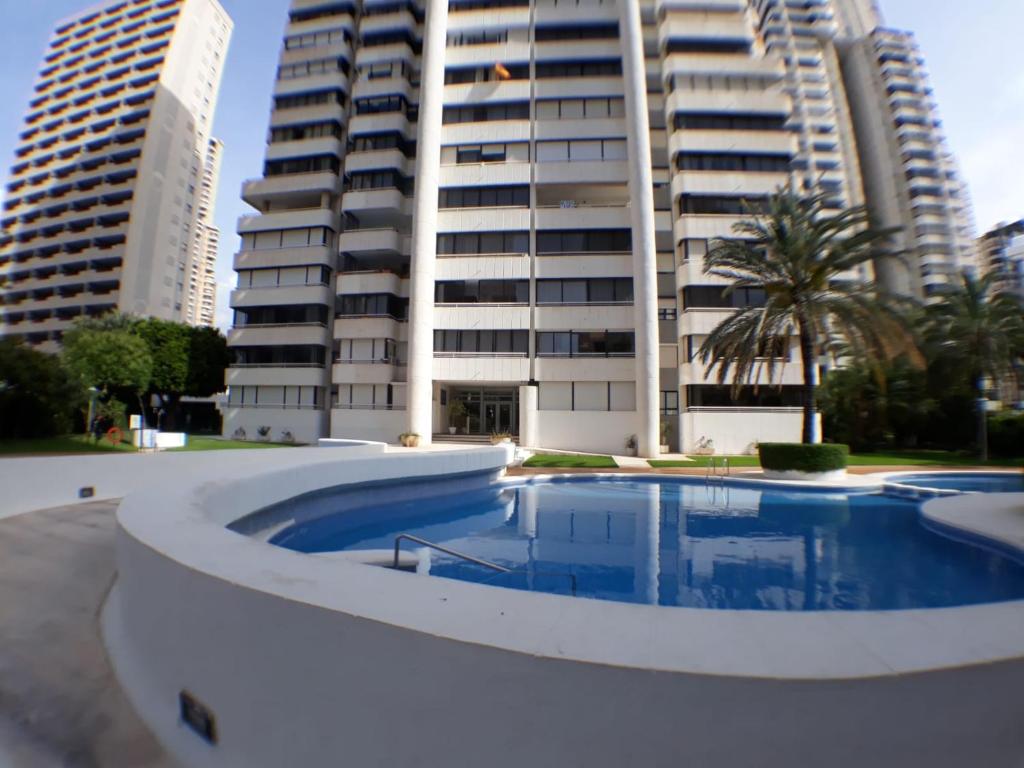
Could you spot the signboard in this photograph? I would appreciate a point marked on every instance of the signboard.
(135, 421)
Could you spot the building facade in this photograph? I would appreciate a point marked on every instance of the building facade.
(912, 181)
(1002, 254)
(106, 205)
(488, 217)
(200, 305)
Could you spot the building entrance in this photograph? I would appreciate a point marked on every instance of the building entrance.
(489, 409)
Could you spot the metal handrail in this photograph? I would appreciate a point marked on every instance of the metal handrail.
(447, 551)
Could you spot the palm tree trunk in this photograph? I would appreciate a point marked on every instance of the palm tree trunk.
(982, 420)
(810, 384)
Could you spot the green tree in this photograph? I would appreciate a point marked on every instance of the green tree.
(113, 361)
(802, 255)
(37, 397)
(977, 329)
(169, 346)
(208, 358)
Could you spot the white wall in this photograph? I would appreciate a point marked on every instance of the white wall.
(352, 423)
(307, 426)
(734, 431)
(587, 431)
(304, 660)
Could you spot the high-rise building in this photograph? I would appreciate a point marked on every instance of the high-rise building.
(911, 179)
(200, 305)
(492, 216)
(1002, 254)
(111, 175)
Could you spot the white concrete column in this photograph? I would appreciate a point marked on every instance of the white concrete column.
(528, 416)
(645, 259)
(424, 223)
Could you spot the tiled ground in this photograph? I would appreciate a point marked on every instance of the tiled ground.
(60, 704)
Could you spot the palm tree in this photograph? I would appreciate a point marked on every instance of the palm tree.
(802, 255)
(978, 328)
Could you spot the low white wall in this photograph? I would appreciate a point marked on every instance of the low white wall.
(355, 424)
(587, 431)
(52, 481)
(306, 660)
(735, 431)
(307, 426)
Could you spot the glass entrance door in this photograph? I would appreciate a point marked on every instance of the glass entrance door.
(490, 410)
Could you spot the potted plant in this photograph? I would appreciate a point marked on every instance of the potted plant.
(501, 437)
(666, 436)
(409, 439)
(263, 432)
(632, 445)
(456, 410)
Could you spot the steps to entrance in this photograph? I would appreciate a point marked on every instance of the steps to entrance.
(472, 439)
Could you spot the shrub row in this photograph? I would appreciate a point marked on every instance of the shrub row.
(797, 457)
(1006, 434)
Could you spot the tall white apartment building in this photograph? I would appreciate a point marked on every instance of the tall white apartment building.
(911, 178)
(200, 305)
(104, 198)
(484, 216)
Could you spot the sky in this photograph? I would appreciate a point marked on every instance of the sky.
(972, 50)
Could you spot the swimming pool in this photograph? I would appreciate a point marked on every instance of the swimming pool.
(983, 482)
(673, 542)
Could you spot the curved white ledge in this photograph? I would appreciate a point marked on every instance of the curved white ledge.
(232, 619)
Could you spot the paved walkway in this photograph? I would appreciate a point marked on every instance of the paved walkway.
(60, 704)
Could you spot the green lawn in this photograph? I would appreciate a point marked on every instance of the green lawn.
(199, 443)
(64, 444)
(569, 461)
(83, 444)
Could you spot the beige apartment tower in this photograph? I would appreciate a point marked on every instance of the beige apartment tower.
(109, 201)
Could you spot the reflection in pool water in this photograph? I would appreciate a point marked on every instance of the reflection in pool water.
(676, 543)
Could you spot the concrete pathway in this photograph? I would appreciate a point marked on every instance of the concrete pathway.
(60, 704)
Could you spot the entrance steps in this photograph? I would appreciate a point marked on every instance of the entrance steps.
(471, 439)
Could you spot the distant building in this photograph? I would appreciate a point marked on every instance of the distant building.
(110, 195)
(1002, 253)
(201, 302)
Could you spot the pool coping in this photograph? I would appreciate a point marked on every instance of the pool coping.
(178, 523)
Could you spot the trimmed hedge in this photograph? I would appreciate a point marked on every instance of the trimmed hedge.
(797, 457)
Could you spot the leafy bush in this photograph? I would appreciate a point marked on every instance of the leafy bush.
(37, 396)
(1006, 435)
(798, 457)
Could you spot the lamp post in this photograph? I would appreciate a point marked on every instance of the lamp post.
(92, 408)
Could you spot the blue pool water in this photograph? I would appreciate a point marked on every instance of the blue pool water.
(992, 482)
(677, 543)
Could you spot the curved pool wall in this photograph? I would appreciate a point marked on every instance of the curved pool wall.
(317, 660)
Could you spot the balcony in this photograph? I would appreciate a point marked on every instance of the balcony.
(309, 217)
(275, 335)
(376, 281)
(367, 372)
(259, 192)
(373, 242)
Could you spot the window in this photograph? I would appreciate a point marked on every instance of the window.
(585, 344)
(714, 121)
(698, 161)
(373, 305)
(586, 291)
(594, 68)
(714, 296)
(313, 274)
(305, 355)
(305, 131)
(316, 164)
(675, 45)
(564, 109)
(286, 238)
(314, 39)
(486, 74)
(486, 342)
(584, 241)
(581, 150)
(482, 292)
(469, 243)
(484, 197)
(308, 68)
(669, 402)
(513, 110)
(379, 180)
(305, 314)
(380, 104)
(576, 32)
(373, 142)
(712, 396)
(587, 396)
(309, 99)
(481, 153)
(719, 206)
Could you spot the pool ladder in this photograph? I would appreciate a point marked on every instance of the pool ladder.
(461, 556)
(712, 475)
